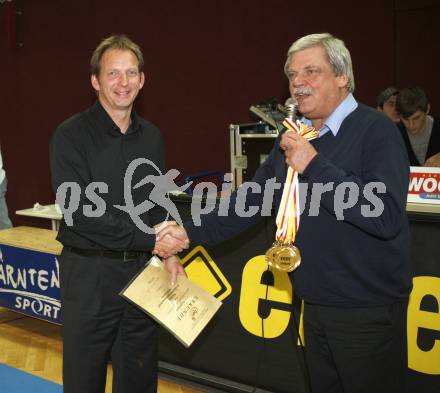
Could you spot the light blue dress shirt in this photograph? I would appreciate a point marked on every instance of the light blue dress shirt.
(334, 121)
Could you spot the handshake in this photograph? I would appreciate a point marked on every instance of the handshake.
(170, 239)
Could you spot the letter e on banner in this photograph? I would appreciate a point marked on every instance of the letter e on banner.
(252, 292)
(424, 360)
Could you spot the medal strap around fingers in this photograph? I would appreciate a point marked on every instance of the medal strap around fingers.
(288, 215)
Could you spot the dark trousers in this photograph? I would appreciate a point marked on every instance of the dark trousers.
(99, 325)
(356, 350)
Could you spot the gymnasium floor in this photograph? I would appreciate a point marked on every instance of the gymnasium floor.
(34, 346)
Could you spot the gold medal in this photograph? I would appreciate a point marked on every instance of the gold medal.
(288, 258)
(283, 255)
(272, 252)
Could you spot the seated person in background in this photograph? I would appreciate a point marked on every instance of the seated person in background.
(386, 103)
(5, 222)
(420, 131)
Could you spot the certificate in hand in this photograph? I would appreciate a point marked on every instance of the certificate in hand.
(184, 310)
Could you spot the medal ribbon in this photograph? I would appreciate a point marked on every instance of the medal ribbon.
(288, 213)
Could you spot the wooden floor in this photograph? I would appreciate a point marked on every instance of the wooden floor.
(35, 346)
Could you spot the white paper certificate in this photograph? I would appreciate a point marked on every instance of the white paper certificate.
(184, 310)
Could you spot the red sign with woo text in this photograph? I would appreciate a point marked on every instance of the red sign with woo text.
(424, 185)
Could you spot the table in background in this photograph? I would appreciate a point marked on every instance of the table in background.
(43, 211)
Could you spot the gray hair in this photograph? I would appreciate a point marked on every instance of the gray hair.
(338, 55)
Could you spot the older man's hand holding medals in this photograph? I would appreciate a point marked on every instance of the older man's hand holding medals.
(283, 254)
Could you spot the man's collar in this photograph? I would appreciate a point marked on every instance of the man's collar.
(107, 123)
(334, 121)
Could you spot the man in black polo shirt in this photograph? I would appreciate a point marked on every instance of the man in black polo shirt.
(103, 249)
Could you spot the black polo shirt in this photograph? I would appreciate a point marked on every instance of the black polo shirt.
(89, 147)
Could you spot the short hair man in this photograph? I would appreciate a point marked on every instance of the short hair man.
(420, 131)
(386, 103)
(104, 250)
(355, 272)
